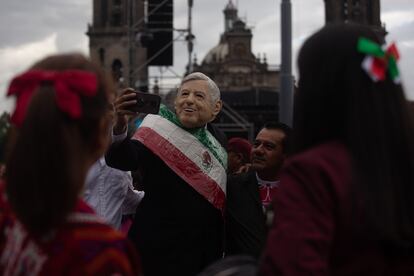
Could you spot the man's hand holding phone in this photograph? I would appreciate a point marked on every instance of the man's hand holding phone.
(129, 103)
(123, 113)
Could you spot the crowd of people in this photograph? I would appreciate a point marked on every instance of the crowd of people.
(331, 195)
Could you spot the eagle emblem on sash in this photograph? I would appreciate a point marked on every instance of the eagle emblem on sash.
(207, 162)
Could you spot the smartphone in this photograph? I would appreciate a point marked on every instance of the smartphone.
(146, 103)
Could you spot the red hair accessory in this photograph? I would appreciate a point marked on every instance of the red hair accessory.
(68, 85)
(240, 145)
(378, 60)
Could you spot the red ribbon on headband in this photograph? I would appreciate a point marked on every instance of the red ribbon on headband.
(68, 86)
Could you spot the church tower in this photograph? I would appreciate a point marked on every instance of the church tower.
(249, 85)
(365, 12)
(230, 16)
(114, 43)
(232, 64)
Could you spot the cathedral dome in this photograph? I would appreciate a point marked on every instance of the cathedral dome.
(217, 53)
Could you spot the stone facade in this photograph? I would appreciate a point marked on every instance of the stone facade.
(114, 40)
(232, 64)
(249, 86)
(365, 12)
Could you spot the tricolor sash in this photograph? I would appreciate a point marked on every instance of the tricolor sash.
(194, 155)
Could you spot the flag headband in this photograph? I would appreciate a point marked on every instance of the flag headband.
(68, 86)
(379, 61)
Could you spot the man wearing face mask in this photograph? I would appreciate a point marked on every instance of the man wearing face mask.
(249, 194)
(178, 225)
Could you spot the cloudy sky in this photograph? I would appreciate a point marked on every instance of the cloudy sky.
(29, 30)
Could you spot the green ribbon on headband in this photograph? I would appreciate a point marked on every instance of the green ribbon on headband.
(367, 46)
(383, 59)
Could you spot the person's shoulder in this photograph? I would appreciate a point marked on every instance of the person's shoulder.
(115, 174)
(85, 219)
(332, 152)
(239, 178)
(327, 166)
(100, 247)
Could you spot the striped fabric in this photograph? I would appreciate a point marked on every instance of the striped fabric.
(82, 246)
(196, 156)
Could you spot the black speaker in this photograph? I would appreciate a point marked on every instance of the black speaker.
(160, 24)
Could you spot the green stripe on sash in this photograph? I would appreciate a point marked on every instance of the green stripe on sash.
(201, 134)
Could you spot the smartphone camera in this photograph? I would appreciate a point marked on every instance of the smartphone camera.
(146, 103)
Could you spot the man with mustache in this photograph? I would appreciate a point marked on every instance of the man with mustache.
(249, 194)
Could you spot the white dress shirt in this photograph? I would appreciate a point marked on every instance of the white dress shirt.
(110, 192)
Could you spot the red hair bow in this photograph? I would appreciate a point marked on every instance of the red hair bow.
(68, 86)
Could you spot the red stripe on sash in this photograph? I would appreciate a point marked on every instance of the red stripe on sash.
(182, 166)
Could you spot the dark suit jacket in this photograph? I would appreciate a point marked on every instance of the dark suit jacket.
(245, 220)
(175, 229)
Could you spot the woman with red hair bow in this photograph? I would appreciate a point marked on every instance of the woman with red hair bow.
(62, 120)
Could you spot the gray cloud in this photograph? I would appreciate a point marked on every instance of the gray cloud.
(24, 22)
(396, 5)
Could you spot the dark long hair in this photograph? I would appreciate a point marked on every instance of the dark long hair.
(44, 166)
(337, 100)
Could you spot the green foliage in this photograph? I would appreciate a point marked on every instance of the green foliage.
(4, 130)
